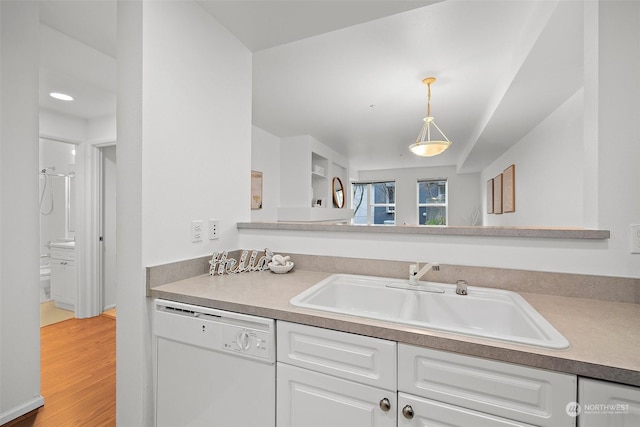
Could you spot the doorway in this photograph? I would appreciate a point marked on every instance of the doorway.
(57, 205)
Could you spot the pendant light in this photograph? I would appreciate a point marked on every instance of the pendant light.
(424, 145)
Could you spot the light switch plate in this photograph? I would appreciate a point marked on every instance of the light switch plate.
(196, 231)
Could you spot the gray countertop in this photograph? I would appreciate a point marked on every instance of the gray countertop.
(604, 336)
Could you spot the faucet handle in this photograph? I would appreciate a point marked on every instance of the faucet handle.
(461, 287)
(413, 272)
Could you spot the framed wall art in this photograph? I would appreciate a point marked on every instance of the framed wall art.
(497, 194)
(509, 189)
(256, 190)
(490, 196)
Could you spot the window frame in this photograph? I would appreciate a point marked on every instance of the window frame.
(444, 204)
(390, 208)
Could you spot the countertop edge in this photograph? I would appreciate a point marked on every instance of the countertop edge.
(481, 231)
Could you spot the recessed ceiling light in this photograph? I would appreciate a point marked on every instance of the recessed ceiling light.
(61, 96)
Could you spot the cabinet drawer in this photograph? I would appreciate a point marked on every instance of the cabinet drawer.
(605, 404)
(427, 412)
(529, 395)
(311, 399)
(366, 360)
(64, 254)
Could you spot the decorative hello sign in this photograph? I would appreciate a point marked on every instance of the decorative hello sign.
(221, 263)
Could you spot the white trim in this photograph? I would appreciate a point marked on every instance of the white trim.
(91, 256)
(60, 139)
(98, 218)
(22, 409)
(90, 265)
(97, 229)
(100, 143)
(83, 295)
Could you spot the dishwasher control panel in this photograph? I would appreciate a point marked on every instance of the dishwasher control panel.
(241, 334)
(248, 341)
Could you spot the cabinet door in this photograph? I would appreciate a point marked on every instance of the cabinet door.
(63, 283)
(310, 399)
(70, 281)
(605, 404)
(415, 411)
(57, 280)
(529, 395)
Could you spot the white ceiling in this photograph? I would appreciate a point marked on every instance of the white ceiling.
(349, 72)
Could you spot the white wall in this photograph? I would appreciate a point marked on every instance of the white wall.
(101, 129)
(265, 157)
(197, 114)
(19, 241)
(184, 141)
(464, 197)
(618, 133)
(61, 127)
(547, 193)
(133, 336)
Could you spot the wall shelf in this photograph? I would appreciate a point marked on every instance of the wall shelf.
(305, 181)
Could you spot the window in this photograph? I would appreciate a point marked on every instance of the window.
(374, 203)
(432, 202)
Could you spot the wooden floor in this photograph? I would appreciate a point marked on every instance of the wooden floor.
(78, 365)
(110, 313)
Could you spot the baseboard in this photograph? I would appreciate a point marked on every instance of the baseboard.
(20, 410)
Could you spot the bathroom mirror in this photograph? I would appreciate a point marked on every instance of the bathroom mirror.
(338, 192)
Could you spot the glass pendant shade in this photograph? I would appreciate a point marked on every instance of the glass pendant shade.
(424, 145)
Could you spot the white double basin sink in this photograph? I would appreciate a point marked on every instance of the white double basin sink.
(483, 312)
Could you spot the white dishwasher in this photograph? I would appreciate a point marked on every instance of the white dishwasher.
(212, 367)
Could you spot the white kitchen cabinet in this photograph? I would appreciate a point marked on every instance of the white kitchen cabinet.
(332, 378)
(506, 391)
(414, 411)
(64, 278)
(606, 404)
(328, 377)
(366, 360)
(306, 398)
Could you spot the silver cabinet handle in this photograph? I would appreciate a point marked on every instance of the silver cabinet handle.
(407, 411)
(385, 405)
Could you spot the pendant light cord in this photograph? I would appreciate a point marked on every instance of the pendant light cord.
(428, 99)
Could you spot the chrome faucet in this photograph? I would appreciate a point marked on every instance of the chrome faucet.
(415, 272)
(461, 287)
